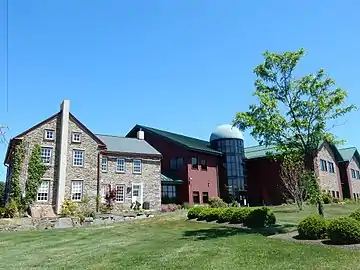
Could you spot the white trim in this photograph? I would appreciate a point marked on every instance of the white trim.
(46, 132)
(73, 135)
(82, 190)
(73, 157)
(141, 191)
(51, 154)
(124, 193)
(47, 193)
(102, 164)
(137, 159)
(116, 166)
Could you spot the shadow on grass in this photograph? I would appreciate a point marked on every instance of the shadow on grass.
(226, 231)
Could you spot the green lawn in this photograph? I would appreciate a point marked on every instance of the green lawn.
(169, 242)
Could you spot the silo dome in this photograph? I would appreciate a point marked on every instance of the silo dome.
(226, 132)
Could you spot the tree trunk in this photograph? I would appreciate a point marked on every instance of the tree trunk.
(320, 208)
(299, 204)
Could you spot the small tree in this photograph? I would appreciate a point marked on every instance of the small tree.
(36, 170)
(2, 193)
(110, 198)
(292, 175)
(18, 157)
(294, 114)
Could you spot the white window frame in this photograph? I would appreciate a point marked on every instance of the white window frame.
(77, 182)
(73, 157)
(43, 190)
(73, 137)
(49, 131)
(117, 169)
(123, 193)
(104, 166)
(140, 166)
(50, 156)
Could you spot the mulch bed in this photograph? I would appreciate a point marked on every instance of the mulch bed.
(292, 236)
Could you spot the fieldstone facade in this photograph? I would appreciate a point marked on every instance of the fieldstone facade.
(87, 173)
(329, 181)
(149, 179)
(355, 183)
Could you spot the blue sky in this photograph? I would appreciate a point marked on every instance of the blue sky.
(184, 66)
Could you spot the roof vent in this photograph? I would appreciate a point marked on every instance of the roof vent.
(140, 134)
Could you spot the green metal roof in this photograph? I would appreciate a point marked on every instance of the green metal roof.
(259, 151)
(188, 142)
(348, 153)
(169, 181)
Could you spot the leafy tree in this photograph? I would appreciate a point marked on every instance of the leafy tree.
(2, 190)
(17, 163)
(36, 170)
(294, 114)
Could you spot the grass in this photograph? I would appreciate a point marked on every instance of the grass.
(171, 242)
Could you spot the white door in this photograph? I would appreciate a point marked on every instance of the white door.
(137, 193)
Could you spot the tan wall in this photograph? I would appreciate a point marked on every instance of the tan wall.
(87, 173)
(150, 178)
(355, 183)
(328, 181)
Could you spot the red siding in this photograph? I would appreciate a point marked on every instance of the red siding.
(194, 180)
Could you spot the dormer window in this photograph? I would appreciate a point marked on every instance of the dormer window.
(49, 134)
(76, 137)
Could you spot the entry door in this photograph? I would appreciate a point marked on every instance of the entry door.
(137, 193)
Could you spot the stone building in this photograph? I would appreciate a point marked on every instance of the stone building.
(80, 163)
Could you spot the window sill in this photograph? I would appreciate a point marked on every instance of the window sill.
(137, 172)
(104, 171)
(120, 172)
(49, 140)
(78, 166)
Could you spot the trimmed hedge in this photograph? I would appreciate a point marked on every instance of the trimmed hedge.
(250, 217)
(355, 215)
(194, 212)
(260, 217)
(344, 230)
(313, 227)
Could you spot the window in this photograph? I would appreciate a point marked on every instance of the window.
(337, 194)
(353, 173)
(46, 155)
(180, 162)
(194, 162)
(357, 174)
(120, 193)
(49, 135)
(205, 197)
(78, 158)
(120, 165)
(323, 165)
(137, 166)
(331, 167)
(76, 137)
(168, 191)
(43, 191)
(76, 190)
(173, 164)
(196, 197)
(104, 164)
(203, 164)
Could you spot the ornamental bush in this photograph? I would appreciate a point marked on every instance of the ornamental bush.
(344, 230)
(204, 213)
(312, 227)
(226, 214)
(240, 215)
(326, 197)
(69, 208)
(355, 215)
(194, 212)
(216, 202)
(213, 214)
(260, 218)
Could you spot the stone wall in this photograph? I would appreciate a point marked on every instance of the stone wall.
(355, 183)
(86, 173)
(150, 179)
(328, 181)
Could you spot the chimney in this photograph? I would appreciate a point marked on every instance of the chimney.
(140, 134)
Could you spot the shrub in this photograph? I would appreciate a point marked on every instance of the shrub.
(312, 227)
(240, 215)
(259, 218)
(170, 207)
(213, 214)
(355, 215)
(216, 202)
(11, 209)
(336, 200)
(194, 212)
(2, 211)
(349, 201)
(69, 208)
(344, 230)
(226, 214)
(186, 206)
(326, 197)
(204, 213)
